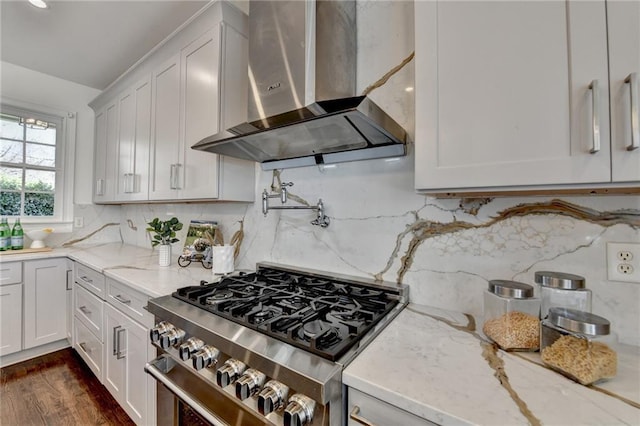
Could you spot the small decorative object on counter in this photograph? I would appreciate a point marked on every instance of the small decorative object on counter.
(511, 315)
(571, 343)
(5, 235)
(17, 236)
(562, 290)
(165, 235)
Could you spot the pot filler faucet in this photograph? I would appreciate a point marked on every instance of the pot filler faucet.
(321, 219)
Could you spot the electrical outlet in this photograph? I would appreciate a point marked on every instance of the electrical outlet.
(623, 262)
(78, 222)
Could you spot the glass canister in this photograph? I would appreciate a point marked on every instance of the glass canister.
(572, 342)
(511, 315)
(559, 289)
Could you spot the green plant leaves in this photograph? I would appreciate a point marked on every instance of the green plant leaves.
(165, 230)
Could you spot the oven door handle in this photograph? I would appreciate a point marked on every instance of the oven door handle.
(154, 370)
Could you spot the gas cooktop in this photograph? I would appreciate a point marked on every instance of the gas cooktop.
(323, 315)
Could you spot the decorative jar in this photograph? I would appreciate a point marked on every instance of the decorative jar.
(559, 289)
(574, 343)
(511, 315)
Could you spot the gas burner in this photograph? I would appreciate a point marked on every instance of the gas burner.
(319, 334)
(218, 297)
(312, 311)
(263, 315)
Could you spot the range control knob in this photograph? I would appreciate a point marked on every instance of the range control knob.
(272, 396)
(229, 372)
(157, 331)
(206, 356)
(172, 337)
(250, 382)
(299, 412)
(189, 347)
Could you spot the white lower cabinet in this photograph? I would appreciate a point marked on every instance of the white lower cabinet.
(111, 335)
(45, 301)
(364, 409)
(10, 318)
(127, 349)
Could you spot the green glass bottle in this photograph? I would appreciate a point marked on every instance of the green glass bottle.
(5, 235)
(17, 236)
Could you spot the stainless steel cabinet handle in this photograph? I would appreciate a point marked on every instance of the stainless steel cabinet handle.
(99, 186)
(120, 352)
(115, 339)
(87, 279)
(354, 415)
(595, 118)
(84, 310)
(177, 176)
(128, 183)
(172, 179)
(84, 347)
(121, 299)
(632, 79)
(69, 279)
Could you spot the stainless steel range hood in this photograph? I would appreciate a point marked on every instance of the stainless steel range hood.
(302, 80)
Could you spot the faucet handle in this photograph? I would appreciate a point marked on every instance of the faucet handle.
(283, 184)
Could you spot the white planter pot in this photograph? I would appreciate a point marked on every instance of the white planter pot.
(164, 255)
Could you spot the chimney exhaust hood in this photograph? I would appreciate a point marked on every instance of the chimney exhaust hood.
(302, 107)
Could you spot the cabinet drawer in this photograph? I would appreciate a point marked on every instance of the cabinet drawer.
(129, 301)
(365, 408)
(10, 273)
(90, 279)
(89, 348)
(88, 309)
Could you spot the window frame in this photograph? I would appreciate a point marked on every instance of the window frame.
(64, 165)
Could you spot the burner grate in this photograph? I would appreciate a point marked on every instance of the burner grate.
(323, 316)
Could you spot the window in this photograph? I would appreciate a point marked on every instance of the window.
(32, 159)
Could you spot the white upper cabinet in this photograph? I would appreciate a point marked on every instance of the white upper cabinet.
(134, 134)
(512, 96)
(624, 67)
(166, 130)
(198, 88)
(106, 138)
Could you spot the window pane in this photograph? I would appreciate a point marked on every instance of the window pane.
(10, 151)
(10, 178)
(47, 136)
(9, 203)
(38, 204)
(10, 127)
(39, 180)
(41, 155)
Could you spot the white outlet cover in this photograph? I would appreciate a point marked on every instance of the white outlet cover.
(614, 263)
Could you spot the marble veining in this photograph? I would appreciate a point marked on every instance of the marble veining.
(423, 229)
(91, 234)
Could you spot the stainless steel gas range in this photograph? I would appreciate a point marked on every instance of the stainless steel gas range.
(266, 347)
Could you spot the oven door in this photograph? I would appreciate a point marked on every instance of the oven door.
(186, 400)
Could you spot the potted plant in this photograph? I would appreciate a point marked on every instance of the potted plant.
(164, 235)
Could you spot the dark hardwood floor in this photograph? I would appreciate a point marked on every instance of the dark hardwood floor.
(56, 389)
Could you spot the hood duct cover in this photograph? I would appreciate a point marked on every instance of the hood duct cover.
(302, 78)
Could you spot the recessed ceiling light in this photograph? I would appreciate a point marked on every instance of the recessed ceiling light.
(38, 3)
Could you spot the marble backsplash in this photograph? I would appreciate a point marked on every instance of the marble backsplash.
(445, 249)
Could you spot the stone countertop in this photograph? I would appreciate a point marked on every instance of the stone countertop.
(134, 266)
(433, 363)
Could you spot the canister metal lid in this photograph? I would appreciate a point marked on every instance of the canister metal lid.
(559, 280)
(579, 321)
(511, 289)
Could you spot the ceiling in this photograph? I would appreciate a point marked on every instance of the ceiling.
(88, 42)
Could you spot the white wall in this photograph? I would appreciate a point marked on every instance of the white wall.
(27, 86)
